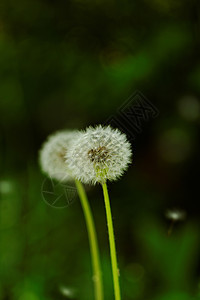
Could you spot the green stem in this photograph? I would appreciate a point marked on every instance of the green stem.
(97, 277)
(113, 254)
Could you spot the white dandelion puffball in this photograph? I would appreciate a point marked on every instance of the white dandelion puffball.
(175, 214)
(52, 155)
(99, 154)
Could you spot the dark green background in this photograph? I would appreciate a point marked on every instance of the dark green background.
(70, 64)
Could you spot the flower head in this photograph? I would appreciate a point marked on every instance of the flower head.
(99, 154)
(52, 155)
(175, 215)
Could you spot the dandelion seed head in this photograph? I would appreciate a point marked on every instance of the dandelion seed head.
(67, 292)
(175, 214)
(99, 154)
(52, 155)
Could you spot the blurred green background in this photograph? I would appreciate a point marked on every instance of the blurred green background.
(70, 64)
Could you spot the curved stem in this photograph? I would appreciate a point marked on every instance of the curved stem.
(113, 254)
(97, 277)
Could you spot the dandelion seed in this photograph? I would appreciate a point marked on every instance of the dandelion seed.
(175, 215)
(52, 155)
(99, 154)
(67, 292)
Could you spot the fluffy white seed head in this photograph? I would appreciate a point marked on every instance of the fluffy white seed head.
(52, 155)
(99, 154)
(175, 215)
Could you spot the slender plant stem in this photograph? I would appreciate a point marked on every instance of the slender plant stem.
(113, 254)
(97, 276)
(171, 228)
